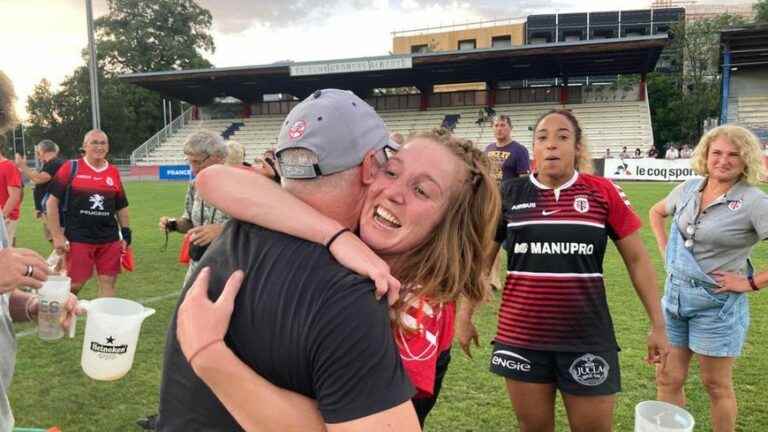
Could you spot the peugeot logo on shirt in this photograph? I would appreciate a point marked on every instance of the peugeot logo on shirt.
(97, 202)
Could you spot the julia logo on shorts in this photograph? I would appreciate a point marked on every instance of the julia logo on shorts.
(589, 370)
(511, 361)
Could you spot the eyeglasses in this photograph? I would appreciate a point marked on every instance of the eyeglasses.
(196, 162)
(386, 153)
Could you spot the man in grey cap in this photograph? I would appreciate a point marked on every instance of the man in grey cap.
(301, 320)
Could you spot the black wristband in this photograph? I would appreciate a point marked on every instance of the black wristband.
(126, 233)
(335, 236)
(752, 283)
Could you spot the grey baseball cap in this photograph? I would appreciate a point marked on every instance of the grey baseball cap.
(339, 127)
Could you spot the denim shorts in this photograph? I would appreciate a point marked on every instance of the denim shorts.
(706, 322)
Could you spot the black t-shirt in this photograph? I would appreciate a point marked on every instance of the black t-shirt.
(302, 322)
(50, 167)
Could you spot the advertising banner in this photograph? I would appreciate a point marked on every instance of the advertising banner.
(649, 169)
(175, 172)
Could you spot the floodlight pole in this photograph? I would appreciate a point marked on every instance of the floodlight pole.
(93, 69)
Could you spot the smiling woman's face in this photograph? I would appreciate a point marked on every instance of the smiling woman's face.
(554, 149)
(409, 197)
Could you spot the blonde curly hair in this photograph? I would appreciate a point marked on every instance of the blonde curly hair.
(8, 118)
(744, 140)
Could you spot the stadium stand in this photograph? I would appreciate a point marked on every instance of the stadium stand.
(613, 115)
(607, 124)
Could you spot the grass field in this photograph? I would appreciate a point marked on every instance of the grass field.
(49, 387)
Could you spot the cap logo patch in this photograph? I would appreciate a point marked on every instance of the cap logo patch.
(297, 130)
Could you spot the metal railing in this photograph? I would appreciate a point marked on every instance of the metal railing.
(143, 151)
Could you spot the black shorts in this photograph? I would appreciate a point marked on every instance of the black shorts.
(578, 373)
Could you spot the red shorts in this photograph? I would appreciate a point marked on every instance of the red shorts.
(83, 257)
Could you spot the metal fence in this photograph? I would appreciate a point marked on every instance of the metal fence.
(144, 150)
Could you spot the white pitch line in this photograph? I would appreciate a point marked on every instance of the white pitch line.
(149, 300)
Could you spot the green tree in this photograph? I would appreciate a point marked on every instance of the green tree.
(680, 101)
(664, 96)
(148, 36)
(761, 11)
(134, 36)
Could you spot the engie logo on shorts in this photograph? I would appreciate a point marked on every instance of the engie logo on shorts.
(589, 370)
(511, 361)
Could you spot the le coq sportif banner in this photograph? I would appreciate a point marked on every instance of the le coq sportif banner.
(649, 169)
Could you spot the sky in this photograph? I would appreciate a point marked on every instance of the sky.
(50, 35)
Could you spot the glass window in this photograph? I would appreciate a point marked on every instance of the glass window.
(467, 44)
(501, 41)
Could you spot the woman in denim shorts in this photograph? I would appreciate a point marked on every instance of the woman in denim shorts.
(717, 220)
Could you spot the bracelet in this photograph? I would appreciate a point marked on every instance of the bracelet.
(202, 348)
(28, 308)
(752, 283)
(335, 236)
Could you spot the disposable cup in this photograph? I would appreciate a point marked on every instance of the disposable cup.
(53, 297)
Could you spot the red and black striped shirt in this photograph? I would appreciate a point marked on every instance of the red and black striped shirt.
(554, 297)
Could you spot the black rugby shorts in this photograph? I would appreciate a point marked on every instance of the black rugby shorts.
(593, 373)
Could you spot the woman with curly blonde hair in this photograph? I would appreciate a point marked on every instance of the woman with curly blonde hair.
(716, 221)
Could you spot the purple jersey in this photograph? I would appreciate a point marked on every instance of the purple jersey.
(509, 161)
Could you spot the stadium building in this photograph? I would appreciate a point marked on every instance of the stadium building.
(443, 75)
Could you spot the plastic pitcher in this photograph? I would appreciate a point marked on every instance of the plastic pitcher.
(111, 336)
(657, 416)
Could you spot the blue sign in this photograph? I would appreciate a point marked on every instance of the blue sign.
(175, 172)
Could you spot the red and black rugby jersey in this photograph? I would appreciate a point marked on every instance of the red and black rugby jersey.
(94, 199)
(554, 297)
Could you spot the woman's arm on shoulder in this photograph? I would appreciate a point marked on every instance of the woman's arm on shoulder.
(251, 197)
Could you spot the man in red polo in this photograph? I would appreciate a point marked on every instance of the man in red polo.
(96, 216)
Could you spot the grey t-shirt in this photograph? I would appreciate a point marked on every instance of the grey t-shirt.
(725, 232)
(7, 351)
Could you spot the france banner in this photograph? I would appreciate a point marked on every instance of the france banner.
(175, 172)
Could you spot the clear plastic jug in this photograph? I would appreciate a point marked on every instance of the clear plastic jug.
(111, 336)
(657, 416)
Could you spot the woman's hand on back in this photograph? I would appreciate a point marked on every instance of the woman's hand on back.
(200, 322)
(355, 255)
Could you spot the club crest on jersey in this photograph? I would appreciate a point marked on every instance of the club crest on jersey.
(735, 205)
(581, 204)
(110, 182)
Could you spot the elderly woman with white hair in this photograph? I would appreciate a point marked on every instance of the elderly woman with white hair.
(201, 222)
(716, 221)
